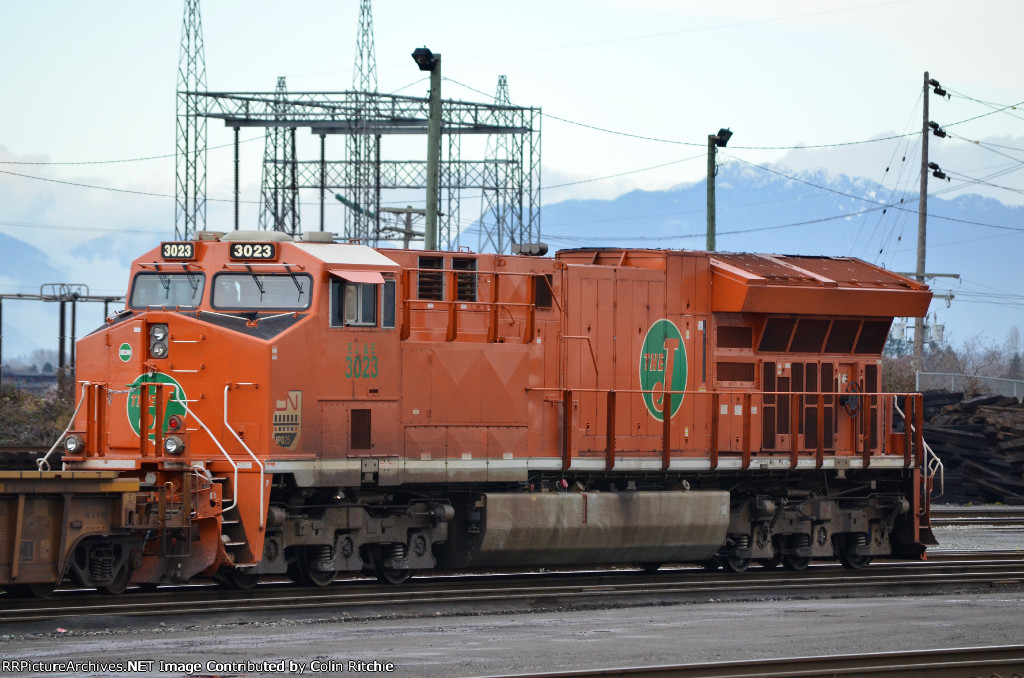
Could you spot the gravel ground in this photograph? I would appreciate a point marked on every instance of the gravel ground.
(449, 647)
(455, 646)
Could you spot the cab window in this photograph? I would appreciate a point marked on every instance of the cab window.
(171, 290)
(262, 292)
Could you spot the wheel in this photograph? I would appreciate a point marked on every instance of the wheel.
(236, 579)
(300, 572)
(649, 568)
(851, 561)
(320, 578)
(795, 563)
(120, 583)
(734, 564)
(388, 575)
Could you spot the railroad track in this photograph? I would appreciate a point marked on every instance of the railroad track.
(515, 592)
(943, 516)
(940, 663)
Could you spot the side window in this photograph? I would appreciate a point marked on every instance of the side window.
(360, 302)
(387, 305)
(353, 303)
(542, 290)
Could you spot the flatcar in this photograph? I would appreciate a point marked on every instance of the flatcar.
(269, 406)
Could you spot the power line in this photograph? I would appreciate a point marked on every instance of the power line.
(875, 202)
(114, 162)
(696, 144)
(56, 227)
(622, 174)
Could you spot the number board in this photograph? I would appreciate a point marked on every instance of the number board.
(178, 250)
(253, 250)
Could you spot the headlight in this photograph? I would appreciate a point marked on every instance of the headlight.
(158, 341)
(174, 445)
(74, 444)
(158, 349)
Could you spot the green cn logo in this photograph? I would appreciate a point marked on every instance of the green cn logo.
(124, 352)
(663, 361)
(174, 400)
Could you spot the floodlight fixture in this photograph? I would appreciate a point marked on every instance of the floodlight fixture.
(424, 58)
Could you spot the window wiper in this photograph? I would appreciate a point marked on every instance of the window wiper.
(165, 281)
(298, 285)
(256, 279)
(193, 279)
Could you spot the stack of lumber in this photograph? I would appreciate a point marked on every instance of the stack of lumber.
(980, 441)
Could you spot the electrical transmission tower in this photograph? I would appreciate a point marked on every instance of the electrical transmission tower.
(190, 152)
(363, 150)
(511, 174)
(279, 196)
(494, 199)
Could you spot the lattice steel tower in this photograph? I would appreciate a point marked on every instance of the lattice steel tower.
(190, 152)
(279, 196)
(495, 201)
(363, 150)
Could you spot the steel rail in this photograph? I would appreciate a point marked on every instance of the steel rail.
(935, 663)
(945, 516)
(532, 591)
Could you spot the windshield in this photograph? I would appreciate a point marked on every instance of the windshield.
(260, 291)
(174, 290)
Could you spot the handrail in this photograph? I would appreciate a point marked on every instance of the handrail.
(932, 463)
(871, 422)
(242, 443)
(451, 306)
(234, 490)
(42, 461)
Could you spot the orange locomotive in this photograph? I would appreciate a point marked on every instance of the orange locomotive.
(265, 407)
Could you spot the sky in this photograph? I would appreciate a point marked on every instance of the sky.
(630, 90)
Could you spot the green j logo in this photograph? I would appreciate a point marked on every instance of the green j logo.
(173, 396)
(663, 368)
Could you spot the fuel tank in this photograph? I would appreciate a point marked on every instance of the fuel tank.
(577, 528)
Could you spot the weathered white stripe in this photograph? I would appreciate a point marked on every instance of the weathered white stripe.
(106, 463)
(622, 464)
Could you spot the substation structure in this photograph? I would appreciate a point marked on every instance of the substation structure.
(510, 185)
(65, 294)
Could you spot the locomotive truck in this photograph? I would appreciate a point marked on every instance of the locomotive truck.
(266, 406)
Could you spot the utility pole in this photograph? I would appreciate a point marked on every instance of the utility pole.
(922, 209)
(715, 141)
(428, 61)
(922, 225)
(433, 156)
(407, 233)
